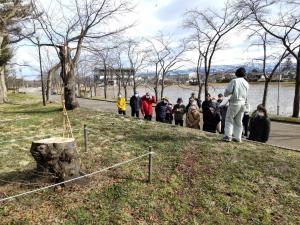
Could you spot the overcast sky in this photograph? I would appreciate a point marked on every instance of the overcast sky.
(153, 16)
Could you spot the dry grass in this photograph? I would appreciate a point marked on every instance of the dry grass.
(198, 179)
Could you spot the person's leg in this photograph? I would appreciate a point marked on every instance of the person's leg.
(238, 123)
(138, 114)
(124, 112)
(246, 123)
(181, 123)
(177, 122)
(132, 113)
(229, 121)
(120, 111)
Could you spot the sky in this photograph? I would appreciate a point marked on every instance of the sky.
(151, 17)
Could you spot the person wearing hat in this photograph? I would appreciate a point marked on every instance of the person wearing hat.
(147, 109)
(121, 104)
(193, 116)
(179, 111)
(193, 96)
(135, 104)
(237, 89)
(161, 110)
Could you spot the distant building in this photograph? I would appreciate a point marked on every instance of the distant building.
(113, 76)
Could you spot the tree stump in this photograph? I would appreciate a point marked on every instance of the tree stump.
(57, 156)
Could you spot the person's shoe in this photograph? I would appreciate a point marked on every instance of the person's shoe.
(227, 139)
(236, 140)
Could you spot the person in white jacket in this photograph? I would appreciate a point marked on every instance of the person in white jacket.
(237, 89)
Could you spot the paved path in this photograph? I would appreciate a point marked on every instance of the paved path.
(284, 135)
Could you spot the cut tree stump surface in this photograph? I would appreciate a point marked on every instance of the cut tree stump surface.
(57, 156)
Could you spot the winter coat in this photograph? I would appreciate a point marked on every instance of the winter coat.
(205, 108)
(147, 108)
(212, 118)
(121, 104)
(161, 111)
(135, 103)
(193, 119)
(238, 89)
(259, 127)
(179, 111)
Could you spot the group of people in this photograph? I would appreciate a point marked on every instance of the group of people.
(229, 117)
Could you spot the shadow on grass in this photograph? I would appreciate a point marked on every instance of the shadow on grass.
(33, 111)
(25, 178)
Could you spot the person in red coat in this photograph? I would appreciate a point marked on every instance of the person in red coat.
(147, 110)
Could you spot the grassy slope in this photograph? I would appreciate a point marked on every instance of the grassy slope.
(197, 180)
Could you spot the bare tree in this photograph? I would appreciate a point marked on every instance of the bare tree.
(80, 21)
(264, 41)
(137, 57)
(12, 14)
(280, 19)
(210, 27)
(167, 57)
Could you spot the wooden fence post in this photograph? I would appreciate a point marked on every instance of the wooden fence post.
(85, 131)
(150, 165)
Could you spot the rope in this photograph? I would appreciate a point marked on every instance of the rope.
(76, 178)
(66, 121)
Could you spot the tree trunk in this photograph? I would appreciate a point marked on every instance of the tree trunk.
(265, 95)
(105, 82)
(162, 84)
(3, 89)
(57, 156)
(68, 76)
(49, 80)
(125, 92)
(297, 89)
(206, 83)
(156, 93)
(134, 82)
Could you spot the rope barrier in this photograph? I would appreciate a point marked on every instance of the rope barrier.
(77, 178)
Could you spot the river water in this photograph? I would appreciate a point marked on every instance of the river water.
(286, 95)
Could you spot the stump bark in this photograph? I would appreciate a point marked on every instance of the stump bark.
(57, 156)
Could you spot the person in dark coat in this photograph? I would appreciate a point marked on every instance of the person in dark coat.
(212, 118)
(222, 107)
(169, 113)
(179, 111)
(206, 104)
(260, 125)
(161, 110)
(135, 103)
